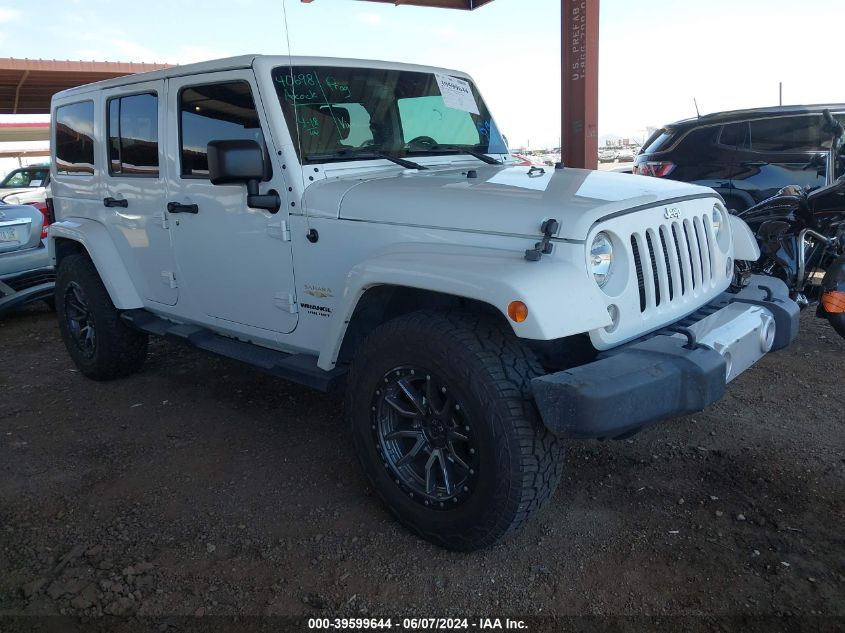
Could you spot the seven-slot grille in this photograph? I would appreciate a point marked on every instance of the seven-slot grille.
(674, 260)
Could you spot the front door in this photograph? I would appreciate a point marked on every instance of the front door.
(235, 262)
(134, 190)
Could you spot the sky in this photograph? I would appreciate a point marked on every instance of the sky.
(655, 56)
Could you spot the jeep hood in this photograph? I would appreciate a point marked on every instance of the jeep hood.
(492, 199)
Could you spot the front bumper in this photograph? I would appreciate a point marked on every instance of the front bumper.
(675, 371)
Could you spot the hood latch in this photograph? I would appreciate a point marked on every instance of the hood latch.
(544, 247)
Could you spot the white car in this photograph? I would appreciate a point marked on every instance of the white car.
(26, 274)
(345, 222)
(25, 185)
(625, 156)
(607, 155)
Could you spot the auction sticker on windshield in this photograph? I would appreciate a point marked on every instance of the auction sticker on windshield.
(457, 93)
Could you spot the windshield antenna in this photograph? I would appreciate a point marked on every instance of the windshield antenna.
(295, 108)
(697, 113)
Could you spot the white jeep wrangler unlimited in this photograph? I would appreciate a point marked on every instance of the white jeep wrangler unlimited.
(352, 222)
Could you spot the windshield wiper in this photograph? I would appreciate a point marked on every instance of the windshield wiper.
(484, 158)
(366, 153)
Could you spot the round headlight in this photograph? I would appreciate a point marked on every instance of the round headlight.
(717, 220)
(601, 258)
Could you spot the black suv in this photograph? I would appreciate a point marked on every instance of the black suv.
(745, 155)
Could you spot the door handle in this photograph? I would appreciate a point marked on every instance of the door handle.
(114, 202)
(754, 163)
(176, 207)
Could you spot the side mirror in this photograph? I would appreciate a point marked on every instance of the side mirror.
(241, 162)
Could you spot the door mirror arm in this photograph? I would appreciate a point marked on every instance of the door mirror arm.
(270, 201)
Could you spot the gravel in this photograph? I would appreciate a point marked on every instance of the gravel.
(200, 487)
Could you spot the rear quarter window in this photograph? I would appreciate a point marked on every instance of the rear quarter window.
(659, 141)
(75, 138)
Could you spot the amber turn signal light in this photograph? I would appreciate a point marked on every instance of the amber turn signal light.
(517, 311)
(833, 302)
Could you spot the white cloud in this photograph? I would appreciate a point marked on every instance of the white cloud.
(8, 15)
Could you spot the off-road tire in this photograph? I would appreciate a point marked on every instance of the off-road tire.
(520, 461)
(118, 351)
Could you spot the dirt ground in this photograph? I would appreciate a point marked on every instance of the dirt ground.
(201, 487)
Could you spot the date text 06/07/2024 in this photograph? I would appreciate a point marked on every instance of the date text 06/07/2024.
(415, 624)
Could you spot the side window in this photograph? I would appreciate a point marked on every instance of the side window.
(735, 135)
(75, 138)
(133, 135)
(214, 112)
(787, 134)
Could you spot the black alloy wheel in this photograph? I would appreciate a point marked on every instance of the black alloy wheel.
(424, 437)
(80, 323)
(444, 423)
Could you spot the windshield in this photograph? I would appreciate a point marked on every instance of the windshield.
(338, 114)
(25, 178)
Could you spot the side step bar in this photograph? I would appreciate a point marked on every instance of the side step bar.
(298, 368)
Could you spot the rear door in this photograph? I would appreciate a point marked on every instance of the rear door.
(134, 189)
(235, 261)
(776, 154)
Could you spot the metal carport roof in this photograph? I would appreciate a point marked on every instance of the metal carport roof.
(26, 85)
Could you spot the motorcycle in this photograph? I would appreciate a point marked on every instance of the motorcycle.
(801, 233)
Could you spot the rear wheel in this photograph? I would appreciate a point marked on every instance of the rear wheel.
(446, 429)
(98, 341)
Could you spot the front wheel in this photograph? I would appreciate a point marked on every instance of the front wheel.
(446, 429)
